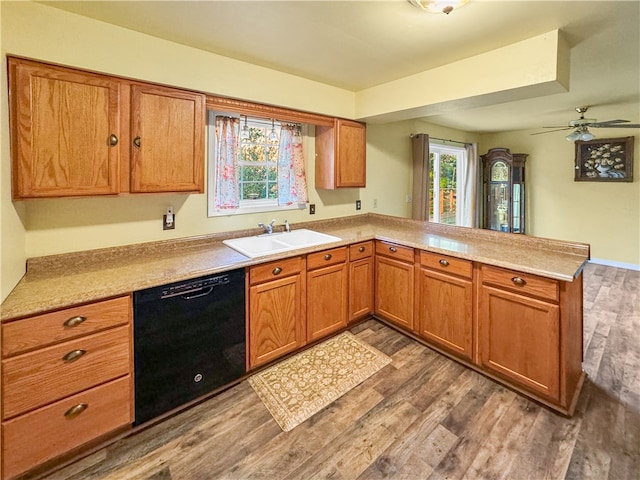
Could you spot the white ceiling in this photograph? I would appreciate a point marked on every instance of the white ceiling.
(358, 44)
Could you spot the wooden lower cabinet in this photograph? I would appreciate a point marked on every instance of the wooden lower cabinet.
(326, 293)
(277, 316)
(361, 268)
(530, 333)
(394, 284)
(66, 381)
(520, 339)
(31, 439)
(445, 311)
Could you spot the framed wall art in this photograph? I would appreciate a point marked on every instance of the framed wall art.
(604, 160)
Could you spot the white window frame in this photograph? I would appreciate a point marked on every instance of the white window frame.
(246, 206)
(461, 154)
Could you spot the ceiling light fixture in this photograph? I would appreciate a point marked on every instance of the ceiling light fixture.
(581, 133)
(438, 6)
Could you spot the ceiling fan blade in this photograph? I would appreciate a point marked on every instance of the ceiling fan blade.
(607, 122)
(566, 127)
(622, 125)
(551, 131)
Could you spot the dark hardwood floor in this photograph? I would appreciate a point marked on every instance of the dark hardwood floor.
(421, 417)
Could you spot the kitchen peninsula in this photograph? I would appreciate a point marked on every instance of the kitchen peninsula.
(509, 306)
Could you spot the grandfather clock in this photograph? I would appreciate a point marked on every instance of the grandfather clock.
(503, 174)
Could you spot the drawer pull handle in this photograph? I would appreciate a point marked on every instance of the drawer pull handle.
(393, 249)
(519, 281)
(76, 410)
(444, 263)
(74, 321)
(73, 355)
(276, 270)
(327, 256)
(361, 249)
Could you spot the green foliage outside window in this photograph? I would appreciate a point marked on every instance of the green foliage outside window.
(259, 164)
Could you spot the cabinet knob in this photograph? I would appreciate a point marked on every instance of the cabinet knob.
(113, 140)
(361, 249)
(519, 281)
(393, 249)
(327, 256)
(136, 142)
(444, 263)
(276, 270)
(76, 410)
(74, 321)
(73, 355)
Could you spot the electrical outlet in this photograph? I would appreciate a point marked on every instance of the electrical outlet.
(169, 220)
(375, 203)
(312, 208)
(408, 198)
(358, 204)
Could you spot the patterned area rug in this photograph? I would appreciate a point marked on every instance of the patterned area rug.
(298, 387)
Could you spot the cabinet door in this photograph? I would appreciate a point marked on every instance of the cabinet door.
(167, 151)
(341, 155)
(64, 131)
(351, 154)
(394, 291)
(360, 288)
(520, 340)
(326, 300)
(445, 311)
(276, 319)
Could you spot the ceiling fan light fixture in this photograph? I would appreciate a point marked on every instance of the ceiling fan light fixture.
(586, 135)
(581, 133)
(438, 6)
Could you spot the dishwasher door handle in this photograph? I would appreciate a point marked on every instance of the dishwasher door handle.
(204, 292)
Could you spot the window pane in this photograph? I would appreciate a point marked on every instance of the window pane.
(252, 153)
(444, 197)
(252, 174)
(273, 190)
(253, 190)
(272, 153)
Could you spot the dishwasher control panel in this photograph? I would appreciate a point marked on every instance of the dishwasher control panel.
(194, 286)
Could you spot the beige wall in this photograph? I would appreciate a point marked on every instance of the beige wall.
(605, 215)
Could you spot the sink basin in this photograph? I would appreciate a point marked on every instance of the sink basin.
(261, 245)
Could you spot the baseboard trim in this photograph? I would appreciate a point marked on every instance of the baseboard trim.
(611, 263)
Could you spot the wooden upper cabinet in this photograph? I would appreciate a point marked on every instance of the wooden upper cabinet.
(65, 125)
(167, 134)
(341, 155)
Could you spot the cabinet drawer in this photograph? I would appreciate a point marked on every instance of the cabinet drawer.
(42, 330)
(43, 434)
(277, 269)
(395, 251)
(447, 264)
(524, 283)
(326, 258)
(34, 379)
(358, 251)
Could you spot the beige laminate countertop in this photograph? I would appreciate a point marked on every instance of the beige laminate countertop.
(60, 281)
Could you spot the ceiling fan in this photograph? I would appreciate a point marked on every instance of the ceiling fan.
(581, 126)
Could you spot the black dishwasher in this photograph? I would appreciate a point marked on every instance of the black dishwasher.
(189, 339)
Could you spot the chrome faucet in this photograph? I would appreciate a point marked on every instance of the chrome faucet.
(287, 227)
(269, 227)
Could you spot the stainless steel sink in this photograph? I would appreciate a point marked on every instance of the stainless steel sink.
(268, 244)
